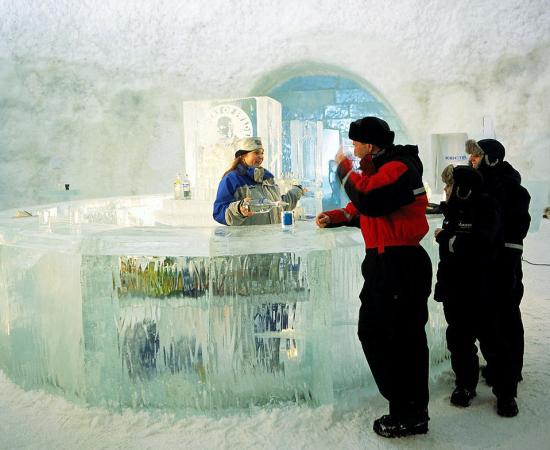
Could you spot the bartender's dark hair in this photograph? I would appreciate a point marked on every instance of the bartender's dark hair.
(236, 162)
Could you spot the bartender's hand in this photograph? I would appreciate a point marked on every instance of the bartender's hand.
(244, 207)
(322, 220)
(437, 231)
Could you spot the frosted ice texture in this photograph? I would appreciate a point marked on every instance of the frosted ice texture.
(306, 157)
(540, 199)
(306, 139)
(119, 314)
(211, 130)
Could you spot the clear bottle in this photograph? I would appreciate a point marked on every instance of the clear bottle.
(263, 205)
(186, 187)
(178, 188)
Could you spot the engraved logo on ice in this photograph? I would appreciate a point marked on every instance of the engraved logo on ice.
(230, 122)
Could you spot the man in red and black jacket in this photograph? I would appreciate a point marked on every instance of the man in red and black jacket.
(388, 202)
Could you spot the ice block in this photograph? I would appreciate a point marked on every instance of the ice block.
(116, 310)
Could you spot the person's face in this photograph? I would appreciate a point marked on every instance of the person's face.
(254, 158)
(475, 160)
(360, 150)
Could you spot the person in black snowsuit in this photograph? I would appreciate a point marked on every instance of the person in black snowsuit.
(388, 201)
(503, 183)
(469, 240)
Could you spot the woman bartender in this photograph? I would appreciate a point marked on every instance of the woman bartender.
(247, 181)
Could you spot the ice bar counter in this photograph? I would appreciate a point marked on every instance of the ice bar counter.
(144, 302)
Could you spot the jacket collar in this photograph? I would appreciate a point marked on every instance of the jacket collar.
(258, 174)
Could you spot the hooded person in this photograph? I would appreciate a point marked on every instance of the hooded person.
(245, 182)
(465, 229)
(388, 202)
(470, 233)
(447, 178)
(503, 183)
(447, 175)
(490, 152)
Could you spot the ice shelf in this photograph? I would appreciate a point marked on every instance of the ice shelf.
(105, 305)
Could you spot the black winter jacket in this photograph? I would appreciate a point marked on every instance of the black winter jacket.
(468, 244)
(503, 182)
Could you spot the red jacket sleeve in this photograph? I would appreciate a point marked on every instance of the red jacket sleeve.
(343, 215)
(380, 193)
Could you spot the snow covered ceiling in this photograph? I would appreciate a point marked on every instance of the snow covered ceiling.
(100, 83)
(223, 43)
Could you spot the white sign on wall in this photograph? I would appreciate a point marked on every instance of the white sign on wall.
(447, 149)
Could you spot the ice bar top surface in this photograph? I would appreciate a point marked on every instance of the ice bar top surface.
(137, 226)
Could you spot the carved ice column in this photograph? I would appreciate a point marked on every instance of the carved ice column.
(306, 143)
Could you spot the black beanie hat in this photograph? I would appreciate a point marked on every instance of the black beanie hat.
(371, 130)
(466, 181)
(494, 151)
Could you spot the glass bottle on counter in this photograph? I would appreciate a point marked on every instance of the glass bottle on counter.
(178, 187)
(186, 187)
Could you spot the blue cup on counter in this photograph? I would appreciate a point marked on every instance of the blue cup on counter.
(287, 220)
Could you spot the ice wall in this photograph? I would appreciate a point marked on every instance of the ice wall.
(106, 132)
(100, 84)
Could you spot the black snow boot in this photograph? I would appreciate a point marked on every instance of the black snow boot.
(462, 396)
(391, 427)
(507, 406)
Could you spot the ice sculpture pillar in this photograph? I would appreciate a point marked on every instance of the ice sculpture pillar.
(306, 138)
(211, 128)
(306, 143)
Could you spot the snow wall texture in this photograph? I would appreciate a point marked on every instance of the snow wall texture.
(94, 90)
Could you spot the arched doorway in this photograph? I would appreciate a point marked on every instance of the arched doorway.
(335, 101)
